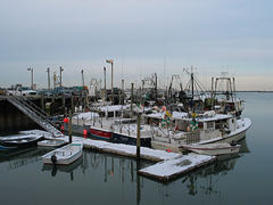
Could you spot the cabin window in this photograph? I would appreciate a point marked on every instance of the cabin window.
(210, 125)
(182, 125)
(220, 124)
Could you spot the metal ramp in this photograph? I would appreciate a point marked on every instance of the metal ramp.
(35, 113)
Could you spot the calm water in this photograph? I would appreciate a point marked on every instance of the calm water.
(107, 179)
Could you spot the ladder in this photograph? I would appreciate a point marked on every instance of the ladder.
(35, 113)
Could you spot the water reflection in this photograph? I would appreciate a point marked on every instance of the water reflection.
(114, 171)
(21, 157)
(54, 169)
(212, 173)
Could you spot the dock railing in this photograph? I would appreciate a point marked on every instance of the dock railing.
(35, 113)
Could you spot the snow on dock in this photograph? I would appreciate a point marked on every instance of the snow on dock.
(172, 168)
(128, 150)
(170, 165)
(114, 148)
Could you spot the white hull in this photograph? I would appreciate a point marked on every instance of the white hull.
(51, 143)
(64, 155)
(235, 136)
(214, 149)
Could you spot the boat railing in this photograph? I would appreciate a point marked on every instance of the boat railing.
(192, 137)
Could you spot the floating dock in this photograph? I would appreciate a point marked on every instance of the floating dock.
(169, 165)
(173, 168)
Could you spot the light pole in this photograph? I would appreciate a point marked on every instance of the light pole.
(105, 92)
(31, 73)
(111, 61)
(61, 70)
(82, 78)
(48, 77)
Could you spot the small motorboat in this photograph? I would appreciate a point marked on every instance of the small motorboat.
(64, 155)
(213, 149)
(51, 143)
(19, 141)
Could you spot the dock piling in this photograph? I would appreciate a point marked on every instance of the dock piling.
(132, 97)
(70, 127)
(138, 136)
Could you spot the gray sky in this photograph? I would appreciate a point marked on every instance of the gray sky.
(142, 36)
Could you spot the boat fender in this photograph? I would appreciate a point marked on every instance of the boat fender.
(233, 143)
(53, 159)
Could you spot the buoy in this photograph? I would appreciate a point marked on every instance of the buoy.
(85, 133)
(62, 127)
(168, 150)
(66, 120)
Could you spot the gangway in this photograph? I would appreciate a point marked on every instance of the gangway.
(35, 113)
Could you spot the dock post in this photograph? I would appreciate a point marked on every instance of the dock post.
(70, 127)
(72, 104)
(122, 87)
(138, 136)
(42, 102)
(63, 103)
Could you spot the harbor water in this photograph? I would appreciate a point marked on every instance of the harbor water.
(99, 178)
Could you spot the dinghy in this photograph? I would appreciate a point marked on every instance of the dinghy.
(213, 149)
(51, 143)
(64, 155)
(19, 141)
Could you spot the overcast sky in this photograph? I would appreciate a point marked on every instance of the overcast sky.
(142, 36)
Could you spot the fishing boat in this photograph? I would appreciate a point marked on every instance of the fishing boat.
(101, 127)
(51, 143)
(204, 128)
(64, 155)
(127, 134)
(213, 149)
(19, 141)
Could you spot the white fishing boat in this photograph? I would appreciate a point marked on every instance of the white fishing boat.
(206, 128)
(213, 149)
(51, 143)
(64, 155)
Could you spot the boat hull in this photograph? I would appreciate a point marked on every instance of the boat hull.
(51, 143)
(125, 139)
(19, 143)
(63, 157)
(64, 161)
(100, 134)
(214, 151)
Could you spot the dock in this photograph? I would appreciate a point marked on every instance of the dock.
(170, 169)
(168, 165)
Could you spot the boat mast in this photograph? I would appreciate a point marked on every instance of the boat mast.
(192, 89)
